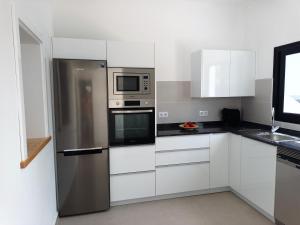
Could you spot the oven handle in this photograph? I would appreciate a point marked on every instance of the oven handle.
(132, 111)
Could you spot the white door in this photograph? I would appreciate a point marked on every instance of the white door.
(235, 162)
(219, 160)
(215, 73)
(258, 173)
(242, 73)
(130, 54)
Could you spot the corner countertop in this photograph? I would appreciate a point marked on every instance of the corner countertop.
(245, 129)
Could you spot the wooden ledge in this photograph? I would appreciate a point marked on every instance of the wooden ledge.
(34, 146)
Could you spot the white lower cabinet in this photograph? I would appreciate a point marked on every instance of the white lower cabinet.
(193, 163)
(132, 172)
(130, 159)
(235, 162)
(182, 178)
(132, 186)
(218, 160)
(258, 172)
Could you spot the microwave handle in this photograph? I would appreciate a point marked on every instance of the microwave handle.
(131, 111)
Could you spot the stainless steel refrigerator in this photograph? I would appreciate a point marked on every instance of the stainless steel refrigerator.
(81, 135)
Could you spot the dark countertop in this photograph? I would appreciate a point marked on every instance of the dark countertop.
(246, 129)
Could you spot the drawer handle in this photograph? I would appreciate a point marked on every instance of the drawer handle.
(182, 164)
(183, 149)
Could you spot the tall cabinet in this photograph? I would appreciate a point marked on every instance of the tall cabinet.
(223, 73)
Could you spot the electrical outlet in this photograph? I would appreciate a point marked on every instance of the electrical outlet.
(163, 114)
(203, 113)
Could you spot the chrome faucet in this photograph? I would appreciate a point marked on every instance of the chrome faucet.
(274, 128)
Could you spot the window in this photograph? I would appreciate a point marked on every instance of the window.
(32, 88)
(286, 83)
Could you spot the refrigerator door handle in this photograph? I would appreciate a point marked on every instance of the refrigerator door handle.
(83, 151)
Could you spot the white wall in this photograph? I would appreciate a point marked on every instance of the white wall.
(178, 27)
(27, 195)
(271, 23)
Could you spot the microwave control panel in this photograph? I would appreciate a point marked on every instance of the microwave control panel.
(146, 83)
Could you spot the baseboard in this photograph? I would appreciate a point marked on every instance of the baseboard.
(257, 208)
(170, 196)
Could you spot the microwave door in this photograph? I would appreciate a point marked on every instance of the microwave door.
(127, 84)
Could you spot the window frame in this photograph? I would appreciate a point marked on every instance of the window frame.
(17, 23)
(280, 54)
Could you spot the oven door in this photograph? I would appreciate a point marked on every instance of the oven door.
(131, 126)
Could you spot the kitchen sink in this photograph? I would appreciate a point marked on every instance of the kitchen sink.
(277, 137)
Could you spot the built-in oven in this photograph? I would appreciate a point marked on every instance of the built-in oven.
(131, 126)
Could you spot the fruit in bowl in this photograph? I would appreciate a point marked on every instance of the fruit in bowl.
(189, 125)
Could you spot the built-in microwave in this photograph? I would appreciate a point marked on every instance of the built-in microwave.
(131, 83)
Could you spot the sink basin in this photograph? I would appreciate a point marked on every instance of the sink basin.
(277, 137)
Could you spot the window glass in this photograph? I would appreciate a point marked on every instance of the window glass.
(292, 84)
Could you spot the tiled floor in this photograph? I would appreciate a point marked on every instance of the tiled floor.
(214, 209)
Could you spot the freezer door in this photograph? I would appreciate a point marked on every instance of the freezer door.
(83, 181)
(80, 104)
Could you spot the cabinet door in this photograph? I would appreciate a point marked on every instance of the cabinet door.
(235, 162)
(258, 174)
(242, 73)
(182, 178)
(130, 54)
(71, 48)
(132, 186)
(215, 73)
(218, 160)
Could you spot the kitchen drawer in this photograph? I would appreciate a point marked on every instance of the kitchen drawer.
(182, 178)
(132, 186)
(132, 159)
(182, 156)
(182, 142)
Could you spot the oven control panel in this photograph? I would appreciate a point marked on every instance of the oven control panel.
(135, 103)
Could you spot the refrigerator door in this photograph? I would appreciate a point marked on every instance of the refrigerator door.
(83, 181)
(80, 103)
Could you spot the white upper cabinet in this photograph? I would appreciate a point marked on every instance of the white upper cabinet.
(130, 54)
(70, 48)
(219, 160)
(242, 73)
(210, 73)
(222, 73)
